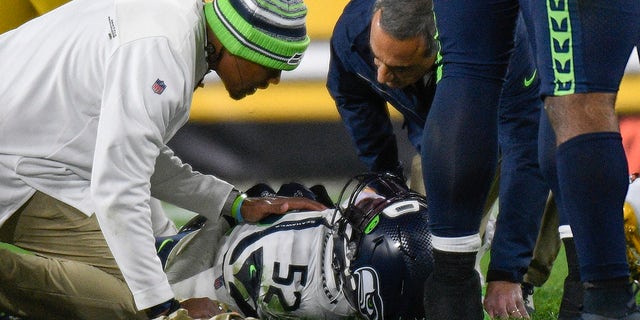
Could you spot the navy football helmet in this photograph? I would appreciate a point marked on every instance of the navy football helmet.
(382, 247)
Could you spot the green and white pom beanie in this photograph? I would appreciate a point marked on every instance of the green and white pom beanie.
(271, 33)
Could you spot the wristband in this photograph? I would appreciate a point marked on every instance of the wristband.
(226, 207)
(165, 308)
(235, 208)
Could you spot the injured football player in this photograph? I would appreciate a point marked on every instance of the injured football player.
(365, 257)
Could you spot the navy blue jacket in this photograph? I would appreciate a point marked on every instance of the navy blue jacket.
(362, 104)
(361, 100)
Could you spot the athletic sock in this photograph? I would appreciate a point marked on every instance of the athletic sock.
(453, 291)
(613, 298)
(592, 172)
(573, 293)
(573, 267)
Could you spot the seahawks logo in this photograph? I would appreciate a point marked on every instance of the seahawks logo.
(369, 299)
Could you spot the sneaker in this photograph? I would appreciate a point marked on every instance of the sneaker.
(527, 296)
(452, 291)
(442, 300)
(571, 304)
(632, 311)
(590, 316)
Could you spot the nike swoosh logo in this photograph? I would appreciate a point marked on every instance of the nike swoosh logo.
(529, 81)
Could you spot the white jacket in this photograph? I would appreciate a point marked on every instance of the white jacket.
(90, 94)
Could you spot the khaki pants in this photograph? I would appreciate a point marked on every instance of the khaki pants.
(547, 246)
(72, 274)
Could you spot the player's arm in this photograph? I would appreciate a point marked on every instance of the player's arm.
(142, 105)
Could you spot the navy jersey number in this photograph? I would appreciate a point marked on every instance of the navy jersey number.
(275, 291)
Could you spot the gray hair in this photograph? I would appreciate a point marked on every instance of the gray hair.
(403, 19)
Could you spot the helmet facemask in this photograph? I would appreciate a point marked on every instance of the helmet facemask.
(382, 247)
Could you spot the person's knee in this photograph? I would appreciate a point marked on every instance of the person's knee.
(53, 289)
(581, 113)
(10, 262)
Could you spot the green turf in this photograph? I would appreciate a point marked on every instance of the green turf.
(546, 298)
(13, 248)
(178, 215)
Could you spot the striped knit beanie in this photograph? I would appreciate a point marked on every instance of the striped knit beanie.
(271, 33)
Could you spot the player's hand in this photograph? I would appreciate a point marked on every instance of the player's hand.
(254, 209)
(203, 308)
(504, 300)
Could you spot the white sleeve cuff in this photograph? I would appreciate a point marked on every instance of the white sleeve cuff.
(457, 244)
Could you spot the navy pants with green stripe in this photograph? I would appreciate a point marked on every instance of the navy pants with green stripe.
(581, 46)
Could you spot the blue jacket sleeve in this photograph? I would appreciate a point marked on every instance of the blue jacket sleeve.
(364, 114)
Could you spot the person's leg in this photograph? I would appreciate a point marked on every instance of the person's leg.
(556, 231)
(459, 150)
(593, 174)
(38, 287)
(72, 271)
(573, 291)
(579, 82)
(523, 190)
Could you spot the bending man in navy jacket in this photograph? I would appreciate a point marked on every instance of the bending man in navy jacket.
(373, 65)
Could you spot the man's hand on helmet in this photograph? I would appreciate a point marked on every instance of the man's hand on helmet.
(255, 209)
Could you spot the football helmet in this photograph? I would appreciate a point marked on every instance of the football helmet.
(382, 247)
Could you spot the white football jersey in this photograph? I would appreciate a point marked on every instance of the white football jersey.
(275, 270)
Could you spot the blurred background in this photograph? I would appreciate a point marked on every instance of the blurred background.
(292, 131)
